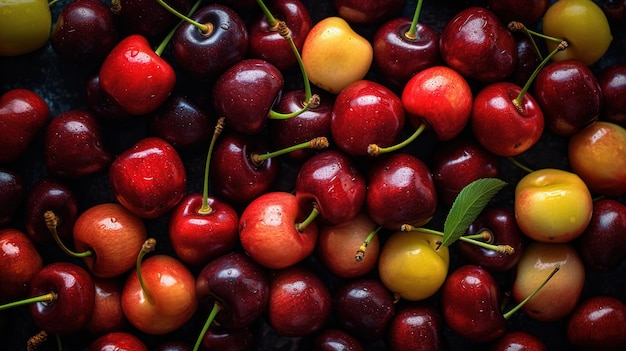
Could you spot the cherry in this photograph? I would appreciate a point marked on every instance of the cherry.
(598, 323)
(202, 228)
(299, 302)
(336, 340)
(275, 232)
(458, 163)
(569, 96)
(210, 41)
(367, 11)
(268, 44)
(330, 182)
(235, 289)
(24, 114)
(364, 308)
(137, 184)
(49, 194)
(118, 340)
(312, 123)
(73, 146)
(160, 297)
(503, 230)
(366, 112)
(135, 76)
(61, 298)
(246, 92)
(404, 47)
(471, 303)
(602, 246)
(400, 191)
(612, 82)
(85, 30)
(475, 43)
(107, 315)
(12, 194)
(20, 262)
(518, 340)
(181, 122)
(415, 326)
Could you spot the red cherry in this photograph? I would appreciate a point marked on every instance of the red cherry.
(23, 114)
(149, 178)
(136, 77)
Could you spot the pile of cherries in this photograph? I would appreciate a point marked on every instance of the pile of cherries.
(290, 174)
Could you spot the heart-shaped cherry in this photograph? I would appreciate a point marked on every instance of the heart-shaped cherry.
(136, 77)
(149, 178)
(23, 113)
(330, 182)
(73, 146)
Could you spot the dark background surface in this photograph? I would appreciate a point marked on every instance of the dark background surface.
(62, 84)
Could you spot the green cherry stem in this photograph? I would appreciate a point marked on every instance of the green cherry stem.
(49, 297)
(204, 28)
(508, 314)
(147, 247)
(411, 33)
(519, 164)
(208, 28)
(311, 101)
(484, 235)
(59, 343)
(315, 143)
(52, 222)
(271, 20)
(308, 220)
(518, 100)
(205, 208)
(375, 150)
(515, 26)
(504, 249)
(360, 253)
(216, 308)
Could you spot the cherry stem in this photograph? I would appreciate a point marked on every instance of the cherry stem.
(515, 26)
(205, 29)
(483, 235)
(300, 227)
(503, 249)
(59, 343)
(36, 340)
(52, 222)
(205, 208)
(216, 308)
(52, 2)
(159, 50)
(49, 297)
(271, 20)
(147, 247)
(508, 314)
(411, 33)
(519, 164)
(518, 100)
(311, 101)
(360, 253)
(375, 150)
(315, 143)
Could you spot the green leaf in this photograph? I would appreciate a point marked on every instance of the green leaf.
(468, 205)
